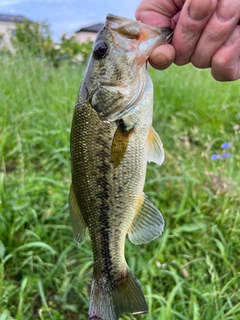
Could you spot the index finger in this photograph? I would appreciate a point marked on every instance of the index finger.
(157, 13)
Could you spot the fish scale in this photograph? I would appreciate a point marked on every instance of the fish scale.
(111, 141)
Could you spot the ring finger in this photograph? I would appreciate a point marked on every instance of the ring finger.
(226, 61)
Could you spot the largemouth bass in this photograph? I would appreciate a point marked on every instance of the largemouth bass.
(112, 139)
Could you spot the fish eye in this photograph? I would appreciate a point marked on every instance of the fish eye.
(100, 50)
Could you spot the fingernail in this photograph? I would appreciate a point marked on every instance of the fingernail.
(198, 10)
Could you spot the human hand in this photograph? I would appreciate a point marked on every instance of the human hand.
(206, 33)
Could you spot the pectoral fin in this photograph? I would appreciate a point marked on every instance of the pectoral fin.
(155, 147)
(148, 222)
(78, 223)
(120, 143)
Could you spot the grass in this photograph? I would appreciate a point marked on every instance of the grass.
(191, 272)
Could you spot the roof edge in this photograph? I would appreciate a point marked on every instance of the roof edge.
(91, 28)
(6, 17)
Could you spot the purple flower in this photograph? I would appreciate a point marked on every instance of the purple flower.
(226, 145)
(215, 157)
(227, 155)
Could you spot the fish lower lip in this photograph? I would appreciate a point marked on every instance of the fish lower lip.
(168, 38)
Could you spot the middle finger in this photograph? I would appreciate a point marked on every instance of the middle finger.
(192, 20)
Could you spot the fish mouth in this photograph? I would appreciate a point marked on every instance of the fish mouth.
(168, 38)
(133, 29)
(145, 38)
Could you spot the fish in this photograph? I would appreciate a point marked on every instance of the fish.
(112, 139)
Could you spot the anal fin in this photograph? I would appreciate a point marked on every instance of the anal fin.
(78, 224)
(147, 224)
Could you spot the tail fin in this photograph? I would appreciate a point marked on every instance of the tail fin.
(108, 303)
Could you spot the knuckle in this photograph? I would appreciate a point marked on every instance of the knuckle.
(220, 61)
(181, 60)
(221, 76)
(222, 70)
(226, 12)
(200, 62)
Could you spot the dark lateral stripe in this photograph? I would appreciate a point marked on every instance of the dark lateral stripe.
(104, 195)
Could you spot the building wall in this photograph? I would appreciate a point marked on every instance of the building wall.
(82, 36)
(7, 29)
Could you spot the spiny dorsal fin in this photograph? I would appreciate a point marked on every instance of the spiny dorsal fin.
(147, 224)
(155, 147)
(120, 143)
(78, 224)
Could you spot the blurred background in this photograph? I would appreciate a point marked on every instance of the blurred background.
(67, 16)
(192, 271)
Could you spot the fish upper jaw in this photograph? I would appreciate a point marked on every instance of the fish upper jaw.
(131, 35)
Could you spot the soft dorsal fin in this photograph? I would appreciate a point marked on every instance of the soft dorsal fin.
(155, 147)
(147, 224)
(78, 224)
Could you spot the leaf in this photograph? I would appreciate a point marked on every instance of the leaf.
(191, 227)
(6, 315)
(2, 250)
(36, 244)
